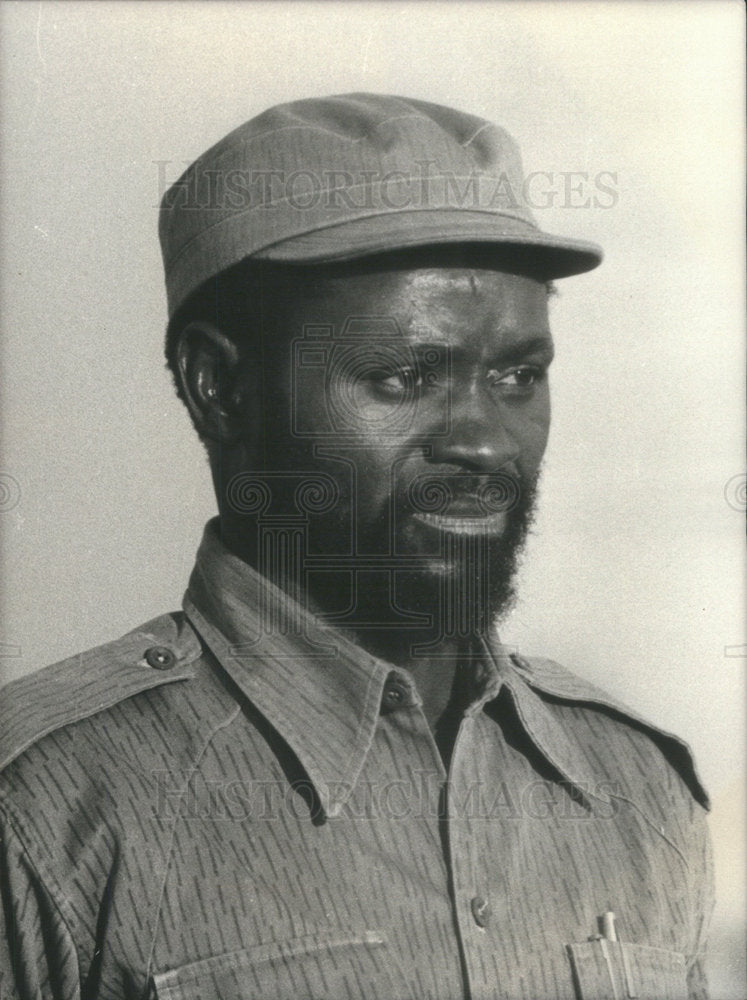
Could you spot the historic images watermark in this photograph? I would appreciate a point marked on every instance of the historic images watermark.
(423, 188)
(188, 795)
(10, 492)
(735, 492)
(346, 360)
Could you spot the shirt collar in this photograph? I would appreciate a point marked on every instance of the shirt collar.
(319, 691)
(323, 693)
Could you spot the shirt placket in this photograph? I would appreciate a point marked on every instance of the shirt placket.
(470, 887)
(464, 799)
(465, 805)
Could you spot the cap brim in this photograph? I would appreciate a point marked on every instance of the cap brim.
(553, 256)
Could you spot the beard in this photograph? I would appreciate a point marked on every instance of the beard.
(449, 583)
(411, 559)
(473, 584)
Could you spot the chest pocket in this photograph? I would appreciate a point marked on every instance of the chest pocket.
(617, 970)
(315, 967)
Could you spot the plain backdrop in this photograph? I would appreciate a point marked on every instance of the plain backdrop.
(634, 574)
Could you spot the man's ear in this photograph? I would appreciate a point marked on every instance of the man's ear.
(207, 363)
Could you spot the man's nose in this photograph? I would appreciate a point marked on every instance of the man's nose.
(477, 436)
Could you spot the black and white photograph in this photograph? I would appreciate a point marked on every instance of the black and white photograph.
(372, 494)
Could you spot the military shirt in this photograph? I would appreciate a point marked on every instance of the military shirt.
(236, 801)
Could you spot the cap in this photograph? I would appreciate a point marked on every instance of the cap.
(339, 178)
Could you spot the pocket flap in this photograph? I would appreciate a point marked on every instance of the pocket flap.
(618, 970)
(316, 965)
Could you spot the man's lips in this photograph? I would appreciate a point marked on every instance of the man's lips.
(458, 523)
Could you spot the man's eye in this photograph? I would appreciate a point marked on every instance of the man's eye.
(400, 380)
(517, 380)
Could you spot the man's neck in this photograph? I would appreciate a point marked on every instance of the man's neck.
(443, 667)
(442, 664)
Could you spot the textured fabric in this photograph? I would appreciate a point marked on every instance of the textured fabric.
(277, 823)
(341, 177)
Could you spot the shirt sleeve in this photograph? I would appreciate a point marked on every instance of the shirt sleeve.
(38, 959)
(704, 898)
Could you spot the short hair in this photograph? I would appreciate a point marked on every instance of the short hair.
(236, 300)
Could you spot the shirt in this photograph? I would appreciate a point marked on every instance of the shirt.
(235, 801)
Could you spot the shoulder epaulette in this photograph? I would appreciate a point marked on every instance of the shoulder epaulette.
(550, 678)
(159, 652)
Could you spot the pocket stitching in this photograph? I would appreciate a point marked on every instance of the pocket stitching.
(264, 953)
(669, 962)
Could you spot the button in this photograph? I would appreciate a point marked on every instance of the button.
(480, 910)
(160, 657)
(395, 695)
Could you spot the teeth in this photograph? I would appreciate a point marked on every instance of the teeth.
(477, 525)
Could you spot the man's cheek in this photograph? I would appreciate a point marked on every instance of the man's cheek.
(534, 436)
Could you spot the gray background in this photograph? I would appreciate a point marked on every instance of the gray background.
(634, 575)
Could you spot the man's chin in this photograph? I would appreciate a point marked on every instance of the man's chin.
(450, 567)
(473, 594)
(467, 566)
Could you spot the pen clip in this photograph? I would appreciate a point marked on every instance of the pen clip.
(607, 926)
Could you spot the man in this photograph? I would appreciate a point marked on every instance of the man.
(325, 777)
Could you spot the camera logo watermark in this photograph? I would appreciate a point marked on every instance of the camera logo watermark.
(369, 379)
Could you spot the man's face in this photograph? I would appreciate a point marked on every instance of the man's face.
(422, 396)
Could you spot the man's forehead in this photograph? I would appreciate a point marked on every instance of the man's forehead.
(467, 256)
(467, 307)
(422, 286)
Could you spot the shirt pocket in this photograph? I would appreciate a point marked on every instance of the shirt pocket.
(618, 970)
(314, 967)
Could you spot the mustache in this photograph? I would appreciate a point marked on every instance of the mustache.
(466, 494)
(450, 493)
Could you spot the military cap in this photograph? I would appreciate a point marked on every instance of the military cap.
(339, 178)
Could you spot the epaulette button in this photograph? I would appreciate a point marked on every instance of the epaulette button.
(160, 657)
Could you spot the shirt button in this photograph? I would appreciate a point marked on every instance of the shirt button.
(395, 695)
(160, 657)
(480, 910)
